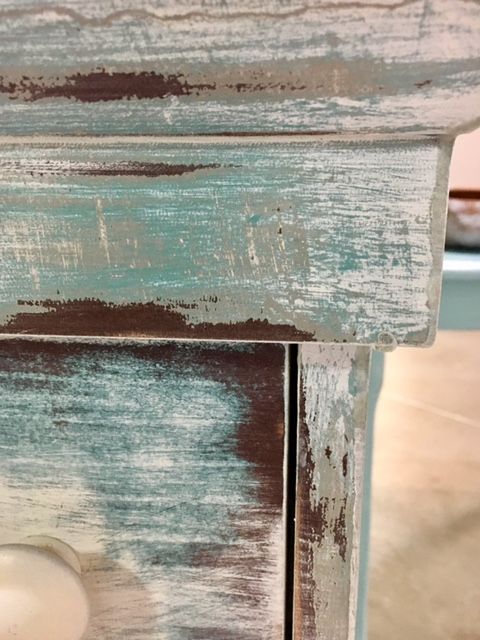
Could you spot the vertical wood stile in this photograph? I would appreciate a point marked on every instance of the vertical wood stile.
(332, 414)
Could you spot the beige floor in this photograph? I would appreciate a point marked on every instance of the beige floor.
(425, 557)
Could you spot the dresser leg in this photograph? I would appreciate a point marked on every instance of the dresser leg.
(332, 416)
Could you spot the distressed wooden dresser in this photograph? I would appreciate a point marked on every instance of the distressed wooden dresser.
(211, 212)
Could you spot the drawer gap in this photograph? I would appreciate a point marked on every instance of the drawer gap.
(291, 486)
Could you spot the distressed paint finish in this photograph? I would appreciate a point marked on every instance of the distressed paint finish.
(280, 240)
(123, 67)
(163, 466)
(333, 384)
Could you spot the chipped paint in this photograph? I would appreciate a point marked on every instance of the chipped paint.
(118, 169)
(102, 86)
(332, 414)
(148, 319)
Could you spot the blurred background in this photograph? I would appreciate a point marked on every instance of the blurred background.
(425, 530)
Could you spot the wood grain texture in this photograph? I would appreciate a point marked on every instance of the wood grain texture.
(286, 241)
(163, 466)
(333, 383)
(223, 66)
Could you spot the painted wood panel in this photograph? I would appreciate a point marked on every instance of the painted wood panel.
(333, 382)
(280, 240)
(220, 66)
(163, 466)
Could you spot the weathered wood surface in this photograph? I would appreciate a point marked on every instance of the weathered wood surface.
(333, 383)
(163, 466)
(330, 241)
(215, 66)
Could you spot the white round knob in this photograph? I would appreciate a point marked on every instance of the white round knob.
(41, 594)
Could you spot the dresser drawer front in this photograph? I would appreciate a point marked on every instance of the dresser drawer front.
(257, 241)
(163, 466)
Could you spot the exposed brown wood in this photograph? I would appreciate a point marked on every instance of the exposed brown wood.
(149, 319)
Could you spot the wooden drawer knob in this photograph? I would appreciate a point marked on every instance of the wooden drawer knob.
(42, 596)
